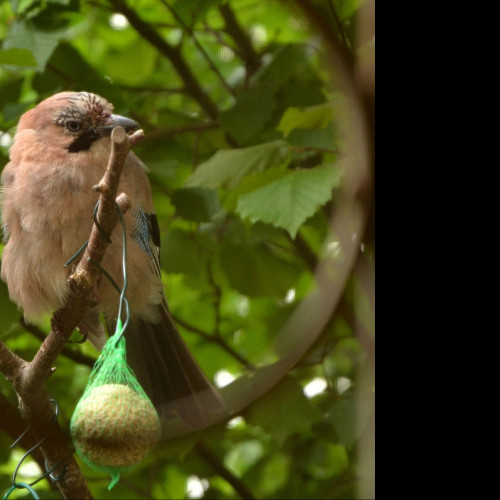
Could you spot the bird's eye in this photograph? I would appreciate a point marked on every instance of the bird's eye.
(73, 125)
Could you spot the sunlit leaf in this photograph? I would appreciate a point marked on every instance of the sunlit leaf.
(289, 201)
(243, 455)
(17, 57)
(229, 166)
(313, 117)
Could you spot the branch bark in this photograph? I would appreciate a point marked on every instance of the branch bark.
(28, 379)
(211, 458)
(241, 38)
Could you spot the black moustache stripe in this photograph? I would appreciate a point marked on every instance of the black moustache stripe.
(83, 141)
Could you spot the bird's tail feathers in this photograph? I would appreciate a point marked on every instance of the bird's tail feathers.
(169, 373)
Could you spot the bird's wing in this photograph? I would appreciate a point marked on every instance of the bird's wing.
(147, 234)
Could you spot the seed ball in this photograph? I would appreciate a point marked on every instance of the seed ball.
(114, 427)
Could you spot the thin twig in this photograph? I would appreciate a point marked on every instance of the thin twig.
(218, 466)
(241, 38)
(218, 340)
(76, 356)
(14, 426)
(339, 25)
(204, 53)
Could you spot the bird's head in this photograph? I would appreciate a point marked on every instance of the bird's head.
(74, 120)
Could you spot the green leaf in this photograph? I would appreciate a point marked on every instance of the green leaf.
(25, 35)
(288, 62)
(120, 68)
(275, 472)
(191, 10)
(11, 91)
(254, 270)
(254, 107)
(350, 416)
(284, 411)
(327, 460)
(313, 117)
(67, 60)
(229, 166)
(243, 455)
(323, 139)
(252, 182)
(181, 254)
(288, 202)
(17, 57)
(198, 204)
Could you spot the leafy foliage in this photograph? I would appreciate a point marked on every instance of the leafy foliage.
(242, 141)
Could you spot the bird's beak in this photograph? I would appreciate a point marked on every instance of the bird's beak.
(118, 121)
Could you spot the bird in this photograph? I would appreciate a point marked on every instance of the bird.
(60, 151)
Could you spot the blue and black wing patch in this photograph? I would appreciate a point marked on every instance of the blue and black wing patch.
(147, 234)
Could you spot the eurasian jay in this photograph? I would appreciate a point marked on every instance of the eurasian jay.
(60, 151)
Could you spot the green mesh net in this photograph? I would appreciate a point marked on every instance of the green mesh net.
(114, 424)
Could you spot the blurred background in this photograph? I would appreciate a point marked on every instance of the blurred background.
(259, 128)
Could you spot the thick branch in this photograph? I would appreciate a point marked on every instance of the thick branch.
(11, 365)
(13, 425)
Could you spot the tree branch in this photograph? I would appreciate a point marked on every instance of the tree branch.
(215, 339)
(28, 379)
(204, 53)
(211, 458)
(14, 426)
(74, 355)
(241, 38)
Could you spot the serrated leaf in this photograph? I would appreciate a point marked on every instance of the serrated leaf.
(251, 183)
(313, 117)
(25, 35)
(229, 166)
(289, 201)
(17, 57)
(284, 411)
